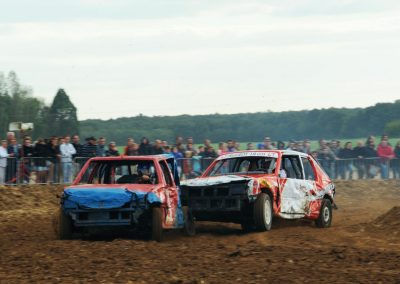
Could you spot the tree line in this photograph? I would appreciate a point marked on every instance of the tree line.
(312, 124)
(18, 105)
(60, 118)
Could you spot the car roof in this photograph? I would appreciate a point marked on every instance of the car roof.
(131, 158)
(282, 152)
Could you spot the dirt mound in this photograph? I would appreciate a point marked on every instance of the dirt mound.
(390, 221)
(23, 197)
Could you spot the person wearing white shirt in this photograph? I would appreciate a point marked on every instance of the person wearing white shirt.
(67, 151)
(3, 161)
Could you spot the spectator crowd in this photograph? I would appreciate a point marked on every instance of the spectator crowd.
(57, 159)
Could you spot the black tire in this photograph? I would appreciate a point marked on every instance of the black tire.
(64, 226)
(157, 228)
(325, 215)
(190, 226)
(263, 213)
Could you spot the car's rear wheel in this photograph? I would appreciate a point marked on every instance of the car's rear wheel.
(64, 226)
(263, 212)
(190, 226)
(157, 228)
(325, 214)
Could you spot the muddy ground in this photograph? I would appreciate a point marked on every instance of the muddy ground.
(363, 245)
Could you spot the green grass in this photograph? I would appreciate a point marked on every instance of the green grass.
(314, 143)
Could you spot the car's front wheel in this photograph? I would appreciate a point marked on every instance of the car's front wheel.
(325, 215)
(263, 212)
(64, 226)
(157, 228)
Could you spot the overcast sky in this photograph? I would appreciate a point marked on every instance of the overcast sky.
(166, 57)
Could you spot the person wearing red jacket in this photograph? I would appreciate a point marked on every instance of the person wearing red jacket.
(385, 153)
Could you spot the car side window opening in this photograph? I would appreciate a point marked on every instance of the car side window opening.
(292, 167)
(166, 173)
(308, 169)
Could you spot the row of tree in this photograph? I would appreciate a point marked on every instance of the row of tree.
(60, 118)
(313, 124)
(18, 105)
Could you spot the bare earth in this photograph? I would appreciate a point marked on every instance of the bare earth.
(363, 245)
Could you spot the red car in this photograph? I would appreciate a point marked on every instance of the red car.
(140, 192)
(250, 187)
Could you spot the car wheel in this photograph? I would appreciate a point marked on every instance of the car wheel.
(64, 228)
(190, 226)
(157, 228)
(263, 212)
(325, 215)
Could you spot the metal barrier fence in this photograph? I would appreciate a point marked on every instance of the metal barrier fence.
(42, 170)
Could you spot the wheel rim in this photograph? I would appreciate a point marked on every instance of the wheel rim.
(267, 212)
(326, 214)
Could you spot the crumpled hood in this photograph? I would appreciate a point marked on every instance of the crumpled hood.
(104, 198)
(215, 180)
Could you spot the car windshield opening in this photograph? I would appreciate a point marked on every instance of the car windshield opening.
(120, 172)
(244, 165)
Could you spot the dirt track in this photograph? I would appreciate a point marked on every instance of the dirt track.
(360, 247)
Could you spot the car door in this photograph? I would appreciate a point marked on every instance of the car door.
(294, 189)
(171, 195)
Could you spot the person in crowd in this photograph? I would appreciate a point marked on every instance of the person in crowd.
(189, 140)
(77, 145)
(359, 154)
(190, 147)
(67, 151)
(112, 150)
(26, 152)
(370, 159)
(157, 148)
(334, 146)
(178, 141)
(207, 157)
(230, 146)
(40, 153)
(145, 147)
(299, 146)
(291, 146)
(326, 159)
(222, 149)
(187, 164)
(345, 162)
(250, 146)
(266, 145)
(314, 154)
(3, 161)
(101, 147)
(129, 149)
(306, 146)
(167, 149)
(54, 156)
(13, 150)
(385, 153)
(237, 146)
(280, 145)
(89, 150)
(179, 158)
(200, 150)
(10, 136)
(396, 161)
(207, 143)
